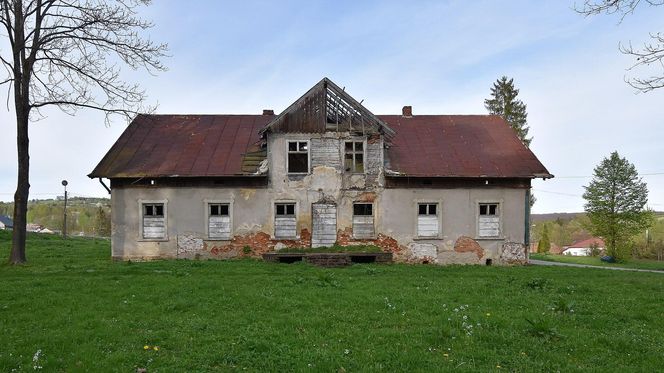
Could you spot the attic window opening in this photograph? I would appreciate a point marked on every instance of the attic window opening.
(298, 157)
(354, 157)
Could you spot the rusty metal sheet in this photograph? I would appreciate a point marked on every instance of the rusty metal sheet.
(183, 145)
(228, 145)
(460, 146)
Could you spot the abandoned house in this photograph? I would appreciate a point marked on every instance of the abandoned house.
(427, 188)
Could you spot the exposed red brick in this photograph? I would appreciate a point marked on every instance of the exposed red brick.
(258, 244)
(366, 197)
(466, 244)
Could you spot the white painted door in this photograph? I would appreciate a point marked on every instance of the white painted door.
(324, 224)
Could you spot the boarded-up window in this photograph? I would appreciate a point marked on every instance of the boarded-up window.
(298, 157)
(427, 220)
(489, 220)
(219, 221)
(285, 221)
(354, 157)
(363, 220)
(154, 221)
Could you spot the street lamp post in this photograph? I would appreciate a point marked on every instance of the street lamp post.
(64, 225)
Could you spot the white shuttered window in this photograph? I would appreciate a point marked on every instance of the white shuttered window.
(489, 220)
(363, 220)
(285, 221)
(427, 220)
(219, 221)
(154, 221)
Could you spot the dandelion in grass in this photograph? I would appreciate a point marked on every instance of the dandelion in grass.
(156, 348)
(146, 347)
(35, 360)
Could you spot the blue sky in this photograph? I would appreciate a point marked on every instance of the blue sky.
(441, 57)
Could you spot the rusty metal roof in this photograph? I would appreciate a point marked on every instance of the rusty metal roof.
(231, 145)
(458, 146)
(185, 145)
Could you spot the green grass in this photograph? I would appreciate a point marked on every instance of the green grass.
(334, 249)
(588, 260)
(87, 313)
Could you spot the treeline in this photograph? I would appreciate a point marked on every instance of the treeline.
(562, 232)
(87, 216)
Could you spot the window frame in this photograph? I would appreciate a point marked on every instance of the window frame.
(206, 217)
(499, 214)
(354, 153)
(274, 219)
(439, 218)
(141, 215)
(373, 217)
(288, 152)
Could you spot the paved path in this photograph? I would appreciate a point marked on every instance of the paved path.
(548, 263)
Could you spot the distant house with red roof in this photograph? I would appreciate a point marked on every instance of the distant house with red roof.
(324, 171)
(584, 247)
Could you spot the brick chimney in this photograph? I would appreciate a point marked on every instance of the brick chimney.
(268, 112)
(407, 111)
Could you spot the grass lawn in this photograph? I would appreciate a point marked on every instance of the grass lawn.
(588, 260)
(73, 309)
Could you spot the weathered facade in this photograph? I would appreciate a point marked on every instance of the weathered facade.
(443, 189)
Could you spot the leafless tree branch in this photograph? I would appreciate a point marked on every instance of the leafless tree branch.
(650, 55)
(69, 54)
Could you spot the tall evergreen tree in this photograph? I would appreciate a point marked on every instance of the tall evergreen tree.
(615, 203)
(504, 102)
(544, 244)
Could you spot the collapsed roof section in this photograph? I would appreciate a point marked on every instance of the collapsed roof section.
(326, 107)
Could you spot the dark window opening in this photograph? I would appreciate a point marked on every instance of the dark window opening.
(427, 209)
(285, 209)
(153, 209)
(363, 209)
(218, 209)
(298, 157)
(488, 209)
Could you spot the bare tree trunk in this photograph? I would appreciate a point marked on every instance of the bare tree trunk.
(21, 75)
(22, 190)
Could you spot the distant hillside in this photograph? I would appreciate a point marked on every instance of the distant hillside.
(85, 216)
(536, 218)
(567, 216)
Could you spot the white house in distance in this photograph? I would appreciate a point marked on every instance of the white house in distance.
(584, 247)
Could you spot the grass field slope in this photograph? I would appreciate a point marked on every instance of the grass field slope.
(73, 309)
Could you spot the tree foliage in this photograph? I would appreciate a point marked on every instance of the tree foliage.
(67, 54)
(504, 102)
(615, 203)
(650, 55)
(544, 244)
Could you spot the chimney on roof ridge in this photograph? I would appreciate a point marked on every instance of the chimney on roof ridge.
(407, 111)
(268, 112)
